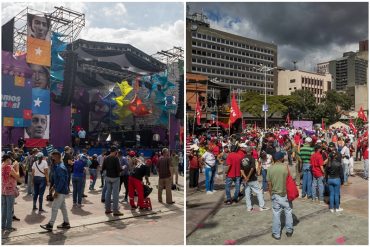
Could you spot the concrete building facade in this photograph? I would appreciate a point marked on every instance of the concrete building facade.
(292, 80)
(227, 59)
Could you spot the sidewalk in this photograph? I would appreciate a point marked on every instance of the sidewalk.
(92, 212)
(313, 223)
(199, 205)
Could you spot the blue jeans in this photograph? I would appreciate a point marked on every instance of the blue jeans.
(228, 184)
(59, 203)
(345, 170)
(7, 204)
(264, 179)
(112, 188)
(334, 188)
(366, 168)
(318, 183)
(278, 204)
(307, 180)
(77, 189)
(94, 174)
(210, 173)
(39, 186)
(254, 186)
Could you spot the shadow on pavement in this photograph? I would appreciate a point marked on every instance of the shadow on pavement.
(56, 238)
(34, 218)
(79, 211)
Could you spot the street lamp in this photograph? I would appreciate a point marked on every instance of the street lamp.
(264, 69)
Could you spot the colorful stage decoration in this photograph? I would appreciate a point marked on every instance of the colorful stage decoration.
(16, 101)
(57, 64)
(15, 65)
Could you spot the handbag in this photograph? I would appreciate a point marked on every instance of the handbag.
(291, 188)
(147, 190)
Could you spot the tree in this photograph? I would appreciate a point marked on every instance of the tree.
(252, 103)
(335, 104)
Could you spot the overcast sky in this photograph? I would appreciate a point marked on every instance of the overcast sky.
(150, 27)
(309, 33)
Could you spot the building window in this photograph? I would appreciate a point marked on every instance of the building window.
(292, 81)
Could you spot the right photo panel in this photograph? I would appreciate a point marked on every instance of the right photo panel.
(277, 123)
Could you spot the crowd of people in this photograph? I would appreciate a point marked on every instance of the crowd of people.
(321, 161)
(58, 174)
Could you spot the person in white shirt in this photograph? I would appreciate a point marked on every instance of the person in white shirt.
(40, 174)
(209, 161)
(345, 160)
(265, 161)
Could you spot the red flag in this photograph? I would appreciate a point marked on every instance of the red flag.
(361, 115)
(287, 119)
(235, 113)
(322, 124)
(198, 113)
(352, 126)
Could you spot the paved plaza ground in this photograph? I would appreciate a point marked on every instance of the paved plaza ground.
(209, 221)
(90, 225)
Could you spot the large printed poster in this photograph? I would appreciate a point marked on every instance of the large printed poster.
(39, 60)
(16, 101)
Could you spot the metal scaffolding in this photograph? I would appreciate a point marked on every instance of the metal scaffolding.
(67, 22)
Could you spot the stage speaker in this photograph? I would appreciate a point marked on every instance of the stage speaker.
(69, 78)
(180, 108)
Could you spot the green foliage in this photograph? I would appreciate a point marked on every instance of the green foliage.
(300, 105)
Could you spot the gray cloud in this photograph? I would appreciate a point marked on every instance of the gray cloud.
(303, 31)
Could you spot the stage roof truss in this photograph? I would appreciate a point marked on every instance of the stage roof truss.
(67, 22)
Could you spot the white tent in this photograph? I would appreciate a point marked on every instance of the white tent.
(339, 125)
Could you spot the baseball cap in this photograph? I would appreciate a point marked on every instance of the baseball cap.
(39, 155)
(243, 145)
(331, 145)
(278, 155)
(308, 139)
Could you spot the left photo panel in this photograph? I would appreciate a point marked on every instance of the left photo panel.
(92, 123)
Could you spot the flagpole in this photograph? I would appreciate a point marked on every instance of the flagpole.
(196, 102)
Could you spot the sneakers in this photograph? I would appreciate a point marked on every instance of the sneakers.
(47, 227)
(64, 225)
(118, 213)
(209, 192)
(108, 212)
(79, 205)
(228, 202)
(249, 209)
(42, 211)
(332, 210)
(235, 201)
(264, 209)
(339, 209)
(277, 238)
(289, 234)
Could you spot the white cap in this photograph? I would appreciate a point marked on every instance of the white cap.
(308, 139)
(243, 145)
(194, 147)
(318, 141)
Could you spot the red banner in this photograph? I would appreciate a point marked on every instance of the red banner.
(361, 115)
(235, 113)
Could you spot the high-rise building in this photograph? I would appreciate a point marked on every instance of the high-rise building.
(292, 80)
(227, 59)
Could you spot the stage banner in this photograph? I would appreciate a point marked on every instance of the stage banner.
(38, 27)
(16, 101)
(37, 134)
(307, 125)
(40, 101)
(38, 51)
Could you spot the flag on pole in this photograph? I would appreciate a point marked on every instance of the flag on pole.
(322, 124)
(198, 112)
(361, 115)
(352, 126)
(235, 113)
(287, 120)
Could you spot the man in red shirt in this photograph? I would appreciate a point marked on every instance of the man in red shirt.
(233, 174)
(317, 164)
